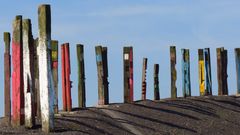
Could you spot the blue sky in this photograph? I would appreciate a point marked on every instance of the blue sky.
(150, 26)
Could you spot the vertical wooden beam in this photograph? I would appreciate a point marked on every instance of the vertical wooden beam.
(156, 82)
(67, 74)
(81, 77)
(237, 61)
(128, 74)
(54, 45)
(144, 83)
(45, 72)
(105, 75)
(64, 96)
(28, 73)
(173, 71)
(7, 78)
(186, 82)
(201, 72)
(101, 60)
(36, 80)
(17, 74)
(222, 71)
(208, 90)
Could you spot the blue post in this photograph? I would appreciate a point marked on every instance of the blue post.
(186, 82)
(208, 90)
(237, 59)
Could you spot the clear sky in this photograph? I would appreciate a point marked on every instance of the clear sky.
(150, 26)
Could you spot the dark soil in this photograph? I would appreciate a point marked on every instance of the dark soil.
(195, 115)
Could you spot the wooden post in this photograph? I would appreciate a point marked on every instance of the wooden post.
(64, 96)
(186, 81)
(156, 82)
(54, 45)
(101, 60)
(208, 90)
(7, 78)
(128, 74)
(36, 80)
(222, 71)
(144, 83)
(237, 60)
(81, 77)
(105, 74)
(67, 74)
(28, 73)
(173, 71)
(201, 72)
(17, 74)
(45, 72)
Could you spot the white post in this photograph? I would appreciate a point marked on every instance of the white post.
(28, 74)
(45, 72)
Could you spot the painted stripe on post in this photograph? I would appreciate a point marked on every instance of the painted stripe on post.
(64, 97)
(54, 53)
(28, 73)
(105, 75)
(186, 82)
(201, 72)
(208, 89)
(7, 77)
(17, 74)
(45, 71)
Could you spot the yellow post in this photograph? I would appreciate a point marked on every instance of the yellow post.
(201, 72)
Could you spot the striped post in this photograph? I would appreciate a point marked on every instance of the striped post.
(7, 78)
(46, 84)
(144, 83)
(201, 72)
(208, 90)
(66, 82)
(17, 74)
(186, 81)
(128, 74)
(36, 80)
(173, 71)
(156, 82)
(222, 71)
(54, 53)
(237, 60)
(28, 73)
(102, 75)
(81, 77)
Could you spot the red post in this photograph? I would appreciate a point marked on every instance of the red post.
(131, 73)
(64, 98)
(17, 74)
(67, 77)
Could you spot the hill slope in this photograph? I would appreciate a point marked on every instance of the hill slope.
(195, 115)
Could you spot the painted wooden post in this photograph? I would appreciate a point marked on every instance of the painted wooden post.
(208, 90)
(156, 82)
(45, 73)
(81, 77)
(237, 61)
(222, 71)
(186, 81)
(105, 74)
(54, 45)
(201, 72)
(128, 74)
(64, 96)
(17, 74)
(144, 83)
(7, 78)
(67, 74)
(28, 73)
(36, 80)
(101, 60)
(173, 71)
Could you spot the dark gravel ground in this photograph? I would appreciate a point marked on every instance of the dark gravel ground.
(195, 115)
